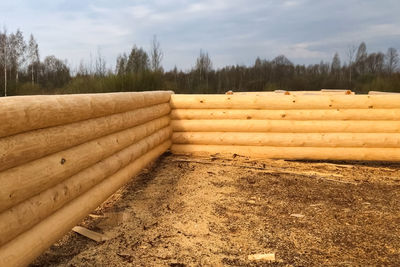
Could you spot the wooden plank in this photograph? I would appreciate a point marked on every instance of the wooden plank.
(98, 237)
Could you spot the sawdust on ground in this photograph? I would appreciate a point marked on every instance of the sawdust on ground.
(216, 211)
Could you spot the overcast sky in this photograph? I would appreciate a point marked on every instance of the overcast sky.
(231, 31)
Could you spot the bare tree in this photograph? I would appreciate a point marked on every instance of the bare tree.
(392, 60)
(156, 55)
(17, 51)
(203, 66)
(33, 55)
(361, 58)
(374, 63)
(350, 56)
(100, 65)
(4, 55)
(335, 66)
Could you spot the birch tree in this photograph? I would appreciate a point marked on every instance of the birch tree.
(156, 55)
(392, 60)
(33, 56)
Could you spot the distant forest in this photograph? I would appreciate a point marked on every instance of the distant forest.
(22, 72)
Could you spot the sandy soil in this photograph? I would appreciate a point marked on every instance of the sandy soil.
(216, 211)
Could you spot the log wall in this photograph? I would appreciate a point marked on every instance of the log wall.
(321, 126)
(62, 156)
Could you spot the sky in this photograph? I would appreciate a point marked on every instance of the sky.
(231, 31)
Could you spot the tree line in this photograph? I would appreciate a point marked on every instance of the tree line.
(22, 72)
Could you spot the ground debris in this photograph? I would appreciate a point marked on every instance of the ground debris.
(218, 211)
(98, 237)
(262, 257)
(297, 215)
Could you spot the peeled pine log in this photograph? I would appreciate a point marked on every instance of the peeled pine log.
(24, 181)
(285, 101)
(319, 126)
(25, 147)
(30, 212)
(301, 114)
(24, 113)
(311, 153)
(337, 91)
(270, 93)
(382, 93)
(23, 249)
(289, 139)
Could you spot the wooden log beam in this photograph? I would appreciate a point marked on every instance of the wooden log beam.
(25, 181)
(23, 249)
(383, 140)
(308, 153)
(26, 214)
(301, 114)
(382, 93)
(21, 148)
(24, 113)
(285, 126)
(285, 101)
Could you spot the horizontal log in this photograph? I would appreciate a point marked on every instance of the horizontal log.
(387, 140)
(310, 153)
(31, 211)
(322, 92)
(283, 126)
(24, 113)
(23, 249)
(285, 101)
(21, 148)
(301, 114)
(24, 181)
(382, 93)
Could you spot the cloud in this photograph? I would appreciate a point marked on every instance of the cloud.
(233, 32)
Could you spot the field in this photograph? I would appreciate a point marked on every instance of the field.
(213, 211)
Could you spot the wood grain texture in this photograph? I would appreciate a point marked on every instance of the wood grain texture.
(280, 101)
(286, 126)
(311, 153)
(21, 148)
(383, 140)
(27, 180)
(300, 114)
(26, 214)
(24, 113)
(23, 249)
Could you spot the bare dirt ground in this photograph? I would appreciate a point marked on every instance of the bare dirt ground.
(216, 211)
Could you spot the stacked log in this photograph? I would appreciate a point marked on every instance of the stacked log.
(297, 126)
(62, 156)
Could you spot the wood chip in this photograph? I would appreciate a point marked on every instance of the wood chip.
(297, 215)
(90, 234)
(262, 257)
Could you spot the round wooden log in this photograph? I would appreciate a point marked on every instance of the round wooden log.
(312, 153)
(21, 148)
(285, 126)
(301, 114)
(285, 101)
(23, 249)
(23, 113)
(382, 93)
(387, 140)
(24, 181)
(31, 211)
